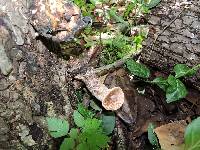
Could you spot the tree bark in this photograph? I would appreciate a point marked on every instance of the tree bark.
(178, 40)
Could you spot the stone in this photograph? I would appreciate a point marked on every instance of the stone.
(5, 38)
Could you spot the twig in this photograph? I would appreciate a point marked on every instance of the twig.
(167, 27)
(103, 70)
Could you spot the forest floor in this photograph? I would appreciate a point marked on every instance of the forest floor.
(42, 82)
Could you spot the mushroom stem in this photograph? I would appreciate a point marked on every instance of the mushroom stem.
(112, 99)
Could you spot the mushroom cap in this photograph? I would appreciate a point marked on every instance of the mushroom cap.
(114, 99)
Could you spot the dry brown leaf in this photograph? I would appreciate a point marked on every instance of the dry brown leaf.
(171, 135)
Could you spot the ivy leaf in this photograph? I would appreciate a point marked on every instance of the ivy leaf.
(73, 133)
(152, 3)
(137, 69)
(78, 119)
(182, 70)
(161, 82)
(152, 135)
(192, 135)
(108, 121)
(57, 127)
(176, 89)
(67, 144)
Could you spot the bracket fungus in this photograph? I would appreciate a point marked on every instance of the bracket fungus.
(58, 20)
(112, 99)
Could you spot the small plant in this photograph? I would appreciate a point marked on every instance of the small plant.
(120, 46)
(140, 7)
(90, 132)
(173, 86)
(109, 19)
(152, 136)
(192, 135)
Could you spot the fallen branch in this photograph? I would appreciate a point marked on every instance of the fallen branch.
(105, 69)
(112, 99)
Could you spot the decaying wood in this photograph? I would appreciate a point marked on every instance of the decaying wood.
(178, 43)
(112, 99)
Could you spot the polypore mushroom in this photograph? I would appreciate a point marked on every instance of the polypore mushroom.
(112, 99)
(57, 19)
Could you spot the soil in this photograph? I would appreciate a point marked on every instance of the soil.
(37, 82)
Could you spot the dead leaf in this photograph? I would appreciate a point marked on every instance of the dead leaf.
(171, 135)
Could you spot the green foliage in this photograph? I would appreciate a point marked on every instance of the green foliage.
(182, 70)
(192, 135)
(57, 127)
(152, 3)
(108, 121)
(161, 82)
(86, 113)
(116, 48)
(78, 119)
(67, 144)
(173, 87)
(152, 135)
(138, 41)
(176, 89)
(129, 9)
(90, 135)
(86, 8)
(137, 69)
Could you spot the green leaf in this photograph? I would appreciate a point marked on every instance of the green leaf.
(152, 135)
(78, 119)
(85, 112)
(95, 139)
(113, 14)
(108, 123)
(67, 144)
(98, 140)
(138, 41)
(137, 69)
(57, 127)
(129, 9)
(92, 134)
(152, 3)
(182, 70)
(192, 135)
(82, 146)
(176, 89)
(92, 124)
(161, 82)
(73, 133)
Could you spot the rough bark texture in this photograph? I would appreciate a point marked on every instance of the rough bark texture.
(179, 43)
(38, 84)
